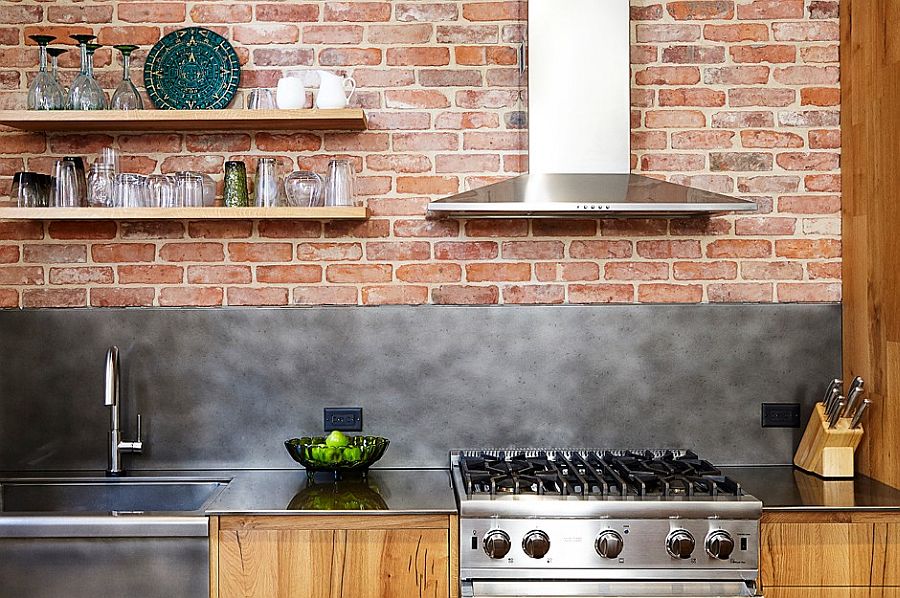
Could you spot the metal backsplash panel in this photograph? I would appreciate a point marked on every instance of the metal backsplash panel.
(224, 388)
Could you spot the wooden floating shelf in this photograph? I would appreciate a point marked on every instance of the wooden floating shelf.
(348, 119)
(349, 213)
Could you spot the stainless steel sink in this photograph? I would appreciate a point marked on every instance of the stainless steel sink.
(76, 536)
(107, 495)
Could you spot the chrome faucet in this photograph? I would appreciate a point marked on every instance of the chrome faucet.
(111, 399)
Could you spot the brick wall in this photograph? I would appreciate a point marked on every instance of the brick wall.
(738, 96)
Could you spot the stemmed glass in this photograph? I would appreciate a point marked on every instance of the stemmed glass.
(55, 53)
(45, 93)
(126, 96)
(86, 93)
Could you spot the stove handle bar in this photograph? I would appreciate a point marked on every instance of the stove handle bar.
(603, 589)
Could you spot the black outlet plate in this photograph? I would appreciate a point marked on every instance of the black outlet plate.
(781, 415)
(345, 419)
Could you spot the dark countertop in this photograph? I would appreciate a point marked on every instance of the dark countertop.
(786, 488)
(384, 491)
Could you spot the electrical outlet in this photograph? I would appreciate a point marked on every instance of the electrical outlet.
(345, 419)
(781, 415)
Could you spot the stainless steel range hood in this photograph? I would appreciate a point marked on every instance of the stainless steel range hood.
(579, 117)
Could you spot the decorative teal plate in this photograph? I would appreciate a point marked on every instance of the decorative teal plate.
(192, 69)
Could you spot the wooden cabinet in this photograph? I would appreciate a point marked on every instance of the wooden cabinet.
(842, 554)
(379, 556)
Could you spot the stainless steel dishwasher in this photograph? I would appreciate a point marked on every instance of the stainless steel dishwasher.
(84, 538)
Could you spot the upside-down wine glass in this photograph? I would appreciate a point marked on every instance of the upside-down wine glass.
(126, 96)
(86, 93)
(45, 93)
(55, 53)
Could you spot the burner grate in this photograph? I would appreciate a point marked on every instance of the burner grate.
(593, 473)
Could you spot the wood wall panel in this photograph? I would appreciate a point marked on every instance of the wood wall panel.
(870, 130)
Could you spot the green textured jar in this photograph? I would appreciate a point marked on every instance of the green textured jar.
(236, 194)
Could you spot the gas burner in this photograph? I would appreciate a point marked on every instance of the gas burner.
(590, 473)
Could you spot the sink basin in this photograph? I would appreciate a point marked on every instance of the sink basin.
(107, 495)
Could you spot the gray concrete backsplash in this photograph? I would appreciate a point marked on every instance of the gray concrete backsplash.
(224, 388)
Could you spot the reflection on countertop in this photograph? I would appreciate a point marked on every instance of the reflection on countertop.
(382, 491)
(785, 487)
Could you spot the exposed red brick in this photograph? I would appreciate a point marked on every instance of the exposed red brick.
(669, 293)
(394, 295)
(601, 293)
(82, 230)
(192, 252)
(54, 298)
(430, 273)
(82, 275)
(325, 295)
(190, 297)
(260, 252)
(256, 297)
(358, 273)
(809, 292)
(123, 252)
(498, 272)
(534, 294)
(132, 297)
(289, 274)
(740, 293)
(465, 295)
(155, 274)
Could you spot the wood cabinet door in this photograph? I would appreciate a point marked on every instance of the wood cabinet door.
(389, 563)
(276, 563)
(846, 592)
(886, 564)
(816, 555)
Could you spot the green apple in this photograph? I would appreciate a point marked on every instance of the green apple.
(337, 439)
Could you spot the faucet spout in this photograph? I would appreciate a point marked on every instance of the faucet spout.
(116, 446)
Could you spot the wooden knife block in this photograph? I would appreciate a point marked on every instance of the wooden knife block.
(828, 452)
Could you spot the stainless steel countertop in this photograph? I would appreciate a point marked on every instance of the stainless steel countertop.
(786, 488)
(384, 491)
(429, 491)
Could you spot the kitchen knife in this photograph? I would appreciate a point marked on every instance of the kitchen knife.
(852, 399)
(836, 414)
(837, 383)
(859, 413)
(857, 382)
(832, 399)
(829, 412)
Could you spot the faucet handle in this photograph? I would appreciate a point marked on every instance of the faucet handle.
(138, 429)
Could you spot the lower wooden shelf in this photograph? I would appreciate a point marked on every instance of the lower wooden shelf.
(341, 213)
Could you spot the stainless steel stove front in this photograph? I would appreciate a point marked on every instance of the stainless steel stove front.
(600, 589)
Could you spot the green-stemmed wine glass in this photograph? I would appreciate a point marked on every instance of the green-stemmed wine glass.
(55, 53)
(126, 96)
(86, 93)
(45, 93)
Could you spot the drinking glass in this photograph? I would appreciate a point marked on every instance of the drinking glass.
(130, 190)
(86, 93)
(110, 157)
(29, 190)
(209, 187)
(304, 189)
(189, 189)
(126, 96)
(340, 184)
(101, 184)
(82, 177)
(161, 191)
(261, 99)
(45, 92)
(266, 183)
(66, 191)
(236, 195)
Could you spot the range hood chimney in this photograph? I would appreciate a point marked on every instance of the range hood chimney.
(579, 115)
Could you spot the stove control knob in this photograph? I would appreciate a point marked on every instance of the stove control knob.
(609, 544)
(680, 544)
(719, 544)
(536, 544)
(496, 544)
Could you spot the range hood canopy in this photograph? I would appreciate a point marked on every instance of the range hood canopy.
(579, 123)
(567, 195)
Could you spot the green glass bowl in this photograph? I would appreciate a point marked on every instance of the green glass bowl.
(312, 453)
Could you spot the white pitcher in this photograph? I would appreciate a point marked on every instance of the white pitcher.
(333, 92)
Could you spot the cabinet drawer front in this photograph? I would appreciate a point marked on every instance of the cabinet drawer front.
(816, 555)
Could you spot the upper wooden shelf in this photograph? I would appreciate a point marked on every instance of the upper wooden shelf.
(348, 119)
(342, 213)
